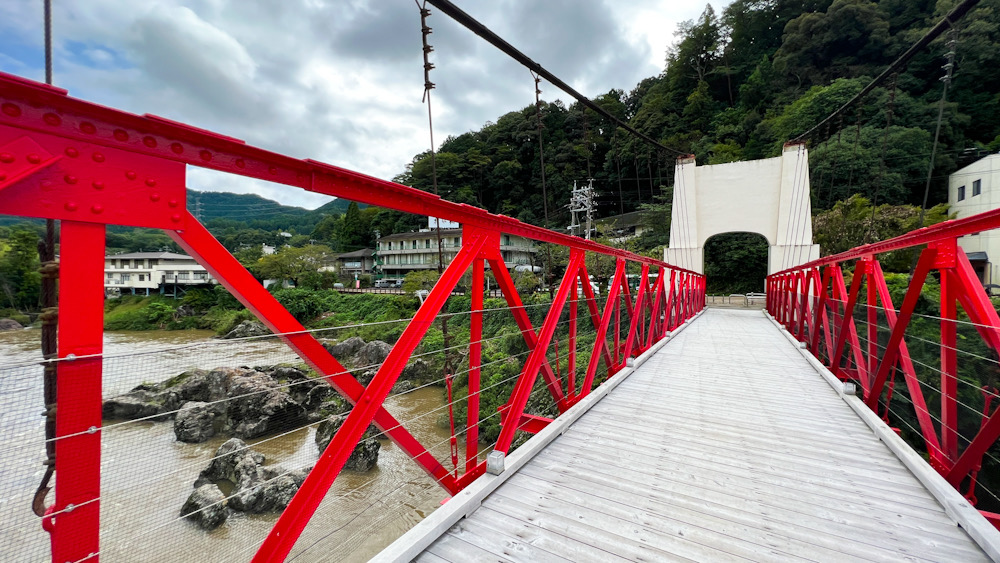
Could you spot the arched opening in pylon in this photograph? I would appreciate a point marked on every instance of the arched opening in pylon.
(735, 262)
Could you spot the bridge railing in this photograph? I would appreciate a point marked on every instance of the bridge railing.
(90, 166)
(922, 347)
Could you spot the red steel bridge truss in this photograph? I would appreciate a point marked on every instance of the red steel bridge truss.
(90, 166)
(853, 326)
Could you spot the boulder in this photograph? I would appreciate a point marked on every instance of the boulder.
(256, 488)
(365, 454)
(206, 506)
(347, 348)
(201, 385)
(196, 422)
(373, 353)
(247, 329)
(258, 406)
(417, 371)
(131, 405)
(10, 324)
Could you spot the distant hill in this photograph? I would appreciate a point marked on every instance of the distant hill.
(247, 207)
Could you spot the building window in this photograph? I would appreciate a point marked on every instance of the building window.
(390, 245)
(183, 275)
(961, 193)
(427, 243)
(977, 187)
(456, 241)
(506, 240)
(201, 275)
(414, 245)
(126, 277)
(142, 277)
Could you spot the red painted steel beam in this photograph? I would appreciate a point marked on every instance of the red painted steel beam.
(600, 341)
(509, 291)
(303, 505)
(595, 315)
(32, 106)
(74, 519)
(200, 244)
(522, 389)
(475, 357)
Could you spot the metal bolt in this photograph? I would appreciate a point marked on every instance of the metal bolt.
(70, 206)
(150, 182)
(149, 142)
(6, 157)
(131, 175)
(98, 185)
(97, 209)
(176, 218)
(72, 153)
(205, 155)
(240, 163)
(70, 179)
(177, 148)
(34, 158)
(98, 157)
(172, 203)
(154, 197)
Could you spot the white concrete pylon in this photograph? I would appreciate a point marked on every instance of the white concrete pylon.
(769, 197)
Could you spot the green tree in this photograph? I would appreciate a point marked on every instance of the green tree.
(293, 263)
(19, 276)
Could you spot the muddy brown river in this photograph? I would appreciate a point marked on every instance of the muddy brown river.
(147, 474)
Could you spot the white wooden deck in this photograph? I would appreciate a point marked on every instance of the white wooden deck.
(725, 445)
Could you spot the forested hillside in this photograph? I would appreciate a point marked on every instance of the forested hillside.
(736, 86)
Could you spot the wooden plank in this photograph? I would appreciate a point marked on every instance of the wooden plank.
(629, 542)
(427, 557)
(501, 544)
(551, 542)
(453, 549)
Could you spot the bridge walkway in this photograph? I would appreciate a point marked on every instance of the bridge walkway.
(726, 444)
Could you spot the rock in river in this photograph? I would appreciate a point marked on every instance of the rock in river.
(246, 329)
(196, 422)
(207, 506)
(9, 324)
(365, 454)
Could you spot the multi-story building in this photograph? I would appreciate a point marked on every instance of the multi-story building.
(162, 272)
(402, 253)
(357, 263)
(971, 190)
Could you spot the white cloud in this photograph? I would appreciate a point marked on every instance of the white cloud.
(337, 81)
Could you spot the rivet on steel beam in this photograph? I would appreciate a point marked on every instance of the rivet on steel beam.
(98, 185)
(70, 206)
(272, 170)
(71, 152)
(88, 128)
(177, 148)
(98, 157)
(121, 135)
(52, 119)
(154, 197)
(6, 157)
(176, 218)
(149, 141)
(11, 110)
(70, 179)
(205, 155)
(34, 158)
(131, 175)
(46, 185)
(240, 163)
(172, 203)
(150, 182)
(97, 209)
(3, 177)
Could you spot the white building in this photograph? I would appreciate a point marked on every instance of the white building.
(149, 272)
(402, 253)
(971, 190)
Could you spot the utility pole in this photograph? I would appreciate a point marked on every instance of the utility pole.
(582, 201)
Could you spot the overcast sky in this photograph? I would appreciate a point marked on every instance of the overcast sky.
(340, 80)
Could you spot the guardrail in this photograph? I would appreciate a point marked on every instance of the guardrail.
(91, 166)
(905, 360)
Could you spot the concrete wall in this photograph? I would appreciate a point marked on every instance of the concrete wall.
(769, 197)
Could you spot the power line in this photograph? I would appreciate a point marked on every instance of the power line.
(897, 65)
(481, 30)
